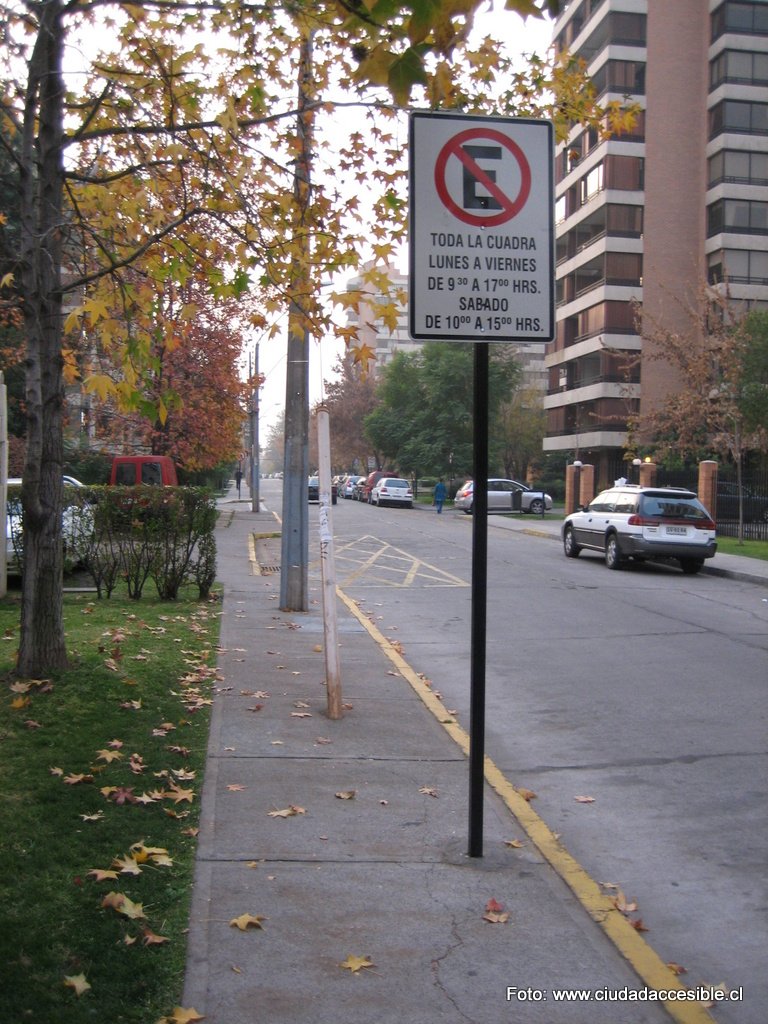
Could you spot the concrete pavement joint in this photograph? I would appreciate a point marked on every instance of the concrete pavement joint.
(647, 964)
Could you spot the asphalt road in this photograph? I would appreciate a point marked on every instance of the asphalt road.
(643, 689)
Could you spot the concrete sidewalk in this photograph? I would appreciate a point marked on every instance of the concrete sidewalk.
(348, 840)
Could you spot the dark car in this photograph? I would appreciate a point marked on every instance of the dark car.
(755, 507)
(313, 490)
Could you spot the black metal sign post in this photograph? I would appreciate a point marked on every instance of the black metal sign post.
(479, 603)
(481, 269)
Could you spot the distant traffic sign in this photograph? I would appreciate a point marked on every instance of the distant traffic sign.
(481, 228)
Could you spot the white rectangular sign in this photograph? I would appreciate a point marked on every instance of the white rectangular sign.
(481, 229)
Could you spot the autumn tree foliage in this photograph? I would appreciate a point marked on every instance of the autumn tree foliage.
(170, 153)
(349, 398)
(188, 398)
(720, 403)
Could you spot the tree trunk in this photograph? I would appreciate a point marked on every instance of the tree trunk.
(42, 647)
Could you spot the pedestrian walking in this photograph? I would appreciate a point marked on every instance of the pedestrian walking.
(238, 479)
(438, 495)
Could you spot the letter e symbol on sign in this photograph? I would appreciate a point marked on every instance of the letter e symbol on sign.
(471, 200)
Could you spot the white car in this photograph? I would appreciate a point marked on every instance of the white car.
(640, 523)
(504, 496)
(392, 490)
(77, 523)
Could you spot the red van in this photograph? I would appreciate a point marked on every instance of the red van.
(130, 470)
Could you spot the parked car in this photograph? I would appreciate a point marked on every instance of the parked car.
(370, 482)
(504, 496)
(348, 490)
(313, 490)
(392, 490)
(76, 525)
(755, 507)
(130, 470)
(643, 523)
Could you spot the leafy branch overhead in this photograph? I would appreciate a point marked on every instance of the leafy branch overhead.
(211, 154)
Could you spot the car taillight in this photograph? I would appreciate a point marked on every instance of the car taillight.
(698, 524)
(636, 520)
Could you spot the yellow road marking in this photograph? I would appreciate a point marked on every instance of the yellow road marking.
(411, 569)
(646, 962)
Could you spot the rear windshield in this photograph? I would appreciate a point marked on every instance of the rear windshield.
(392, 482)
(676, 507)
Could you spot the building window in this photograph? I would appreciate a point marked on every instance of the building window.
(625, 172)
(738, 116)
(739, 66)
(738, 167)
(738, 215)
(740, 17)
(592, 183)
(738, 266)
(622, 76)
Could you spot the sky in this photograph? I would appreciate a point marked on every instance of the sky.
(525, 37)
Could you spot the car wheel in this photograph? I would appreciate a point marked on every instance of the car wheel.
(691, 566)
(613, 556)
(536, 507)
(571, 548)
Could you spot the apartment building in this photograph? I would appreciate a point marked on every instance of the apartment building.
(386, 339)
(647, 217)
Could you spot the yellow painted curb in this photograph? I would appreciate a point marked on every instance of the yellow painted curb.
(647, 964)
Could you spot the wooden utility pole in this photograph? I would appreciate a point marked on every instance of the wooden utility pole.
(328, 566)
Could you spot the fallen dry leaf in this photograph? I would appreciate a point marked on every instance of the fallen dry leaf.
(526, 794)
(246, 921)
(515, 844)
(346, 794)
(356, 963)
(102, 876)
(184, 1015)
(77, 982)
(123, 905)
(584, 799)
(623, 904)
(428, 791)
(287, 812)
(495, 912)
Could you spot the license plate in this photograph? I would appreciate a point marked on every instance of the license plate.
(678, 531)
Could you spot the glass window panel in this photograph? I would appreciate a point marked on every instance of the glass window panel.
(737, 165)
(760, 67)
(758, 267)
(759, 122)
(736, 213)
(738, 16)
(739, 65)
(759, 167)
(736, 263)
(737, 115)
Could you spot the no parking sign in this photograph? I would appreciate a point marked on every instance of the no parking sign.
(481, 228)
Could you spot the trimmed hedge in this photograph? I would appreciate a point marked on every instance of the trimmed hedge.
(137, 534)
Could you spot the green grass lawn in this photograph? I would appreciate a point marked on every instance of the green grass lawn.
(749, 549)
(101, 771)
